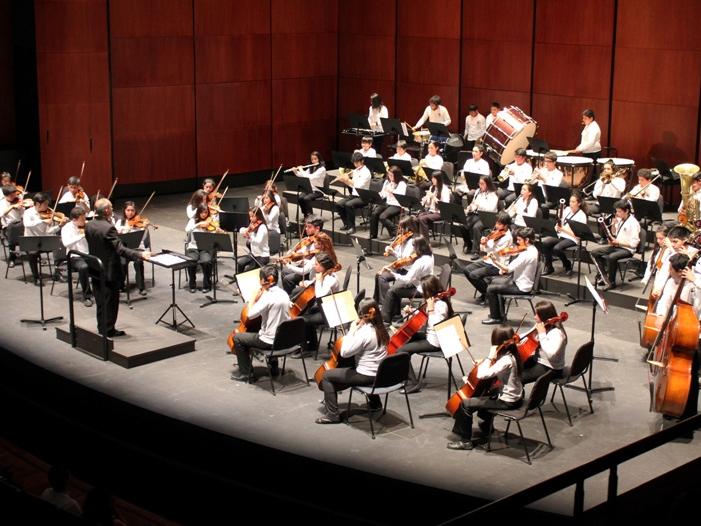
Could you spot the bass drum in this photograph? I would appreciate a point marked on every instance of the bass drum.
(507, 133)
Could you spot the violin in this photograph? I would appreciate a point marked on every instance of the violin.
(59, 217)
(253, 227)
(304, 242)
(210, 224)
(512, 251)
(399, 263)
(297, 256)
(529, 343)
(80, 195)
(139, 221)
(399, 241)
(495, 234)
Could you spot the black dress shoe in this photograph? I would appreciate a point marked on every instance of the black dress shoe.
(328, 419)
(193, 290)
(116, 333)
(460, 444)
(475, 257)
(547, 271)
(491, 321)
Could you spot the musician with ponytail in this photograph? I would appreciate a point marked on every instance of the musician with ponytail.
(366, 341)
(552, 339)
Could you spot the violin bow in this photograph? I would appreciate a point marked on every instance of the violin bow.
(19, 163)
(147, 202)
(109, 196)
(53, 210)
(82, 169)
(221, 181)
(222, 195)
(26, 184)
(269, 184)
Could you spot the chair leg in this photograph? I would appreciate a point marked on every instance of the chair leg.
(523, 441)
(408, 407)
(588, 393)
(425, 367)
(304, 366)
(545, 427)
(270, 375)
(372, 426)
(350, 399)
(384, 406)
(506, 431)
(530, 302)
(564, 400)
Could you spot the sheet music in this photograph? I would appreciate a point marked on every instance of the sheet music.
(595, 295)
(404, 129)
(248, 283)
(451, 336)
(339, 308)
(167, 259)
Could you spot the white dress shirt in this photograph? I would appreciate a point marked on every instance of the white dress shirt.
(439, 115)
(477, 167)
(273, 307)
(68, 197)
(445, 197)
(523, 267)
(627, 231)
(9, 215)
(651, 193)
(398, 189)
(361, 179)
(550, 177)
(483, 202)
(552, 348)
(404, 251)
(613, 189)
(591, 137)
(579, 217)
(316, 178)
(440, 313)
(34, 225)
(521, 209)
(419, 269)
(519, 173)
(272, 219)
(434, 162)
(259, 241)
(370, 152)
(475, 126)
(489, 119)
(496, 245)
(362, 343)
(506, 371)
(73, 239)
(402, 156)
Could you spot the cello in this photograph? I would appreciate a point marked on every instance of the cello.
(529, 343)
(245, 323)
(308, 295)
(414, 322)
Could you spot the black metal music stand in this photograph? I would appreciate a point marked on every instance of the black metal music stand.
(451, 214)
(40, 244)
(584, 233)
(537, 144)
(359, 121)
(370, 197)
(489, 219)
(606, 204)
(472, 180)
(555, 193)
(438, 129)
(131, 240)
(341, 160)
(234, 204)
(404, 166)
(542, 227)
(232, 222)
(409, 202)
(214, 242)
(394, 126)
(184, 262)
(376, 165)
(329, 195)
(360, 257)
(537, 192)
(65, 208)
(301, 185)
(649, 212)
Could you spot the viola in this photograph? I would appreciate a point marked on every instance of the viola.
(413, 324)
(529, 343)
(298, 256)
(399, 241)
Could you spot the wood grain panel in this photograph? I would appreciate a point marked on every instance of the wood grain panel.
(573, 22)
(136, 18)
(496, 65)
(484, 98)
(513, 21)
(304, 16)
(353, 19)
(304, 100)
(429, 20)
(428, 62)
(354, 96)
(304, 55)
(7, 93)
(559, 119)
(152, 61)
(232, 58)
(75, 26)
(292, 143)
(226, 18)
(659, 24)
(366, 57)
(575, 71)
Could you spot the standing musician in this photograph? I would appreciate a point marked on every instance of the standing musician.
(75, 194)
(623, 238)
(521, 270)
(401, 153)
(439, 191)
(484, 200)
(209, 187)
(493, 110)
(271, 212)
(376, 112)
(475, 126)
(256, 234)
(366, 149)
(203, 221)
(434, 112)
(645, 189)
(272, 304)
(423, 341)
(556, 246)
(590, 143)
(317, 177)
(124, 226)
(316, 239)
(661, 253)
(325, 282)
(11, 214)
(493, 244)
(518, 171)
(198, 197)
(552, 339)
(346, 207)
(395, 184)
(409, 284)
(40, 221)
(504, 364)
(73, 238)
(526, 205)
(401, 247)
(366, 340)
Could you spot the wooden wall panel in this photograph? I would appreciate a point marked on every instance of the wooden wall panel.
(73, 88)
(153, 99)
(8, 135)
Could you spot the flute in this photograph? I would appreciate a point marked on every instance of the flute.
(300, 167)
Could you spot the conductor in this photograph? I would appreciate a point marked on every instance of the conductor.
(104, 244)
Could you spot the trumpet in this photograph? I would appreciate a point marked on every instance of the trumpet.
(535, 177)
(505, 174)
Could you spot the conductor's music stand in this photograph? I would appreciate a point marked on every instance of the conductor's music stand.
(451, 214)
(301, 185)
(173, 261)
(40, 244)
(131, 240)
(214, 242)
(584, 233)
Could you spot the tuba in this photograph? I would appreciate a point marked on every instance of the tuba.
(689, 215)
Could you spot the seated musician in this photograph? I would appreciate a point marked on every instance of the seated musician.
(609, 184)
(433, 159)
(271, 212)
(556, 246)
(295, 271)
(401, 247)
(366, 341)
(203, 221)
(661, 253)
(75, 194)
(439, 191)
(550, 355)
(623, 239)
(519, 172)
(427, 340)
(346, 207)
(521, 275)
(479, 273)
(11, 213)
(325, 282)
(677, 242)
(434, 112)
(477, 164)
(395, 184)
(38, 221)
(272, 305)
(317, 177)
(122, 225)
(525, 206)
(695, 192)
(198, 197)
(73, 238)
(409, 284)
(548, 175)
(208, 185)
(484, 200)
(494, 109)
(366, 149)
(256, 234)
(401, 153)
(5, 179)
(504, 364)
(645, 189)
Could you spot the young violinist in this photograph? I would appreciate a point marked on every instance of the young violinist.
(325, 282)
(402, 247)
(623, 239)
(75, 194)
(317, 177)
(407, 285)
(366, 341)
(439, 191)
(295, 271)
(272, 305)
(384, 213)
(526, 205)
(437, 310)
(73, 238)
(521, 275)
(519, 171)
(124, 225)
(552, 339)
(198, 197)
(346, 207)
(11, 214)
(256, 234)
(556, 246)
(203, 221)
(485, 199)
(271, 212)
(39, 221)
(498, 240)
(503, 364)
(208, 186)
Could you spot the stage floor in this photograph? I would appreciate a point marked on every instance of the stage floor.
(196, 388)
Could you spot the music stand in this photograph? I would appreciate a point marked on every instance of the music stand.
(213, 242)
(376, 165)
(409, 202)
(234, 204)
(584, 233)
(438, 129)
(341, 160)
(131, 240)
(451, 214)
(404, 166)
(65, 208)
(301, 185)
(537, 145)
(649, 212)
(542, 227)
(231, 222)
(489, 219)
(40, 244)
(360, 257)
(555, 193)
(606, 204)
(537, 192)
(394, 126)
(359, 121)
(330, 195)
(173, 261)
(370, 197)
(472, 180)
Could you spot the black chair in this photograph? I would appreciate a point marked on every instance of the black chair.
(580, 366)
(530, 297)
(289, 338)
(635, 259)
(274, 241)
(535, 400)
(392, 375)
(347, 277)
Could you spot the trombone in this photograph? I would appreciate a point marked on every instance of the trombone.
(641, 190)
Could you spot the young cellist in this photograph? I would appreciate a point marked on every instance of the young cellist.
(550, 355)
(366, 341)
(502, 363)
(325, 282)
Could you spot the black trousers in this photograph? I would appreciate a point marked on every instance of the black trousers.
(107, 302)
(382, 284)
(204, 258)
(607, 257)
(305, 201)
(392, 303)
(532, 370)
(477, 274)
(384, 214)
(342, 378)
(426, 219)
(494, 298)
(290, 280)
(243, 342)
(480, 405)
(555, 246)
(138, 271)
(246, 263)
(81, 266)
(13, 232)
(346, 209)
(312, 320)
